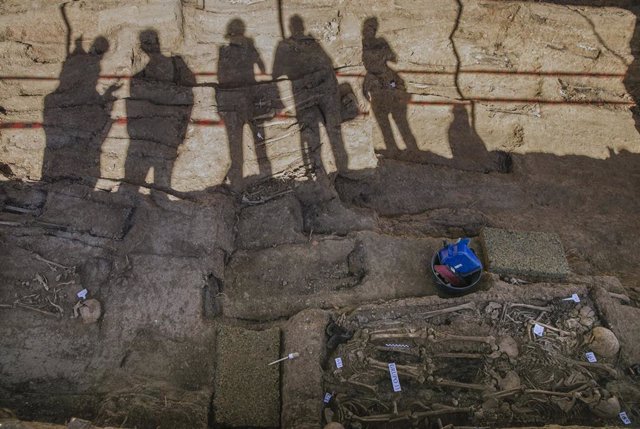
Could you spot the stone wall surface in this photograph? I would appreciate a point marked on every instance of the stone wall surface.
(556, 63)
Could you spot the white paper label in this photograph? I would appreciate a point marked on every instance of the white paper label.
(395, 381)
(327, 398)
(338, 363)
(538, 330)
(625, 419)
(591, 357)
(82, 294)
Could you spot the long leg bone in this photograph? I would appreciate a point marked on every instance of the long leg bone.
(489, 340)
(399, 334)
(469, 386)
(467, 306)
(530, 307)
(369, 387)
(447, 410)
(405, 415)
(600, 366)
(457, 355)
(408, 370)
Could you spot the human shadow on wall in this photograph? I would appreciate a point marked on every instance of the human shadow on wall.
(385, 89)
(76, 117)
(316, 94)
(158, 114)
(468, 150)
(243, 101)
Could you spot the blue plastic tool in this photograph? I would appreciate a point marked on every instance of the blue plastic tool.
(460, 258)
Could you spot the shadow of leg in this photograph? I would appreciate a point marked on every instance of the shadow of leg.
(309, 120)
(259, 142)
(136, 165)
(233, 126)
(330, 111)
(399, 115)
(381, 113)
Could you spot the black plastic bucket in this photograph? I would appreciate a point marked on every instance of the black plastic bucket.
(471, 281)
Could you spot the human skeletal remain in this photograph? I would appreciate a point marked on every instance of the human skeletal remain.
(598, 366)
(552, 328)
(607, 408)
(457, 384)
(438, 337)
(603, 342)
(467, 306)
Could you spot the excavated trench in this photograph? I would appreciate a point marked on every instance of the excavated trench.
(235, 181)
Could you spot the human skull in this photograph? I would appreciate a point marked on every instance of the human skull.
(90, 311)
(603, 342)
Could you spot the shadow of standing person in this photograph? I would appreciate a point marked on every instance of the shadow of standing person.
(76, 117)
(384, 88)
(469, 150)
(237, 93)
(315, 91)
(158, 114)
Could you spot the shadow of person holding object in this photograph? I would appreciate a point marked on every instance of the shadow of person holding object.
(76, 117)
(315, 91)
(158, 114)
(384, 88)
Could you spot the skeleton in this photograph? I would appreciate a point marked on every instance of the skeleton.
(547, 383)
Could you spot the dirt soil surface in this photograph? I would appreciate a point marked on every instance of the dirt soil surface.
(267, 166)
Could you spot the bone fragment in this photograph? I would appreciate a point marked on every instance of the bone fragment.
(469, 386)
(530, 307)
(448, 410)
(369, 387)
(459, 355)
(467, 306)
(552, 328)
(37, 310)
(489, 340)
(601, 366)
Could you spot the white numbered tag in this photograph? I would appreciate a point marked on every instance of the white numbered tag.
(591, 357)
(538, 330)
(395, 381)
(338, 363)
(625, 419)
(327, 398)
